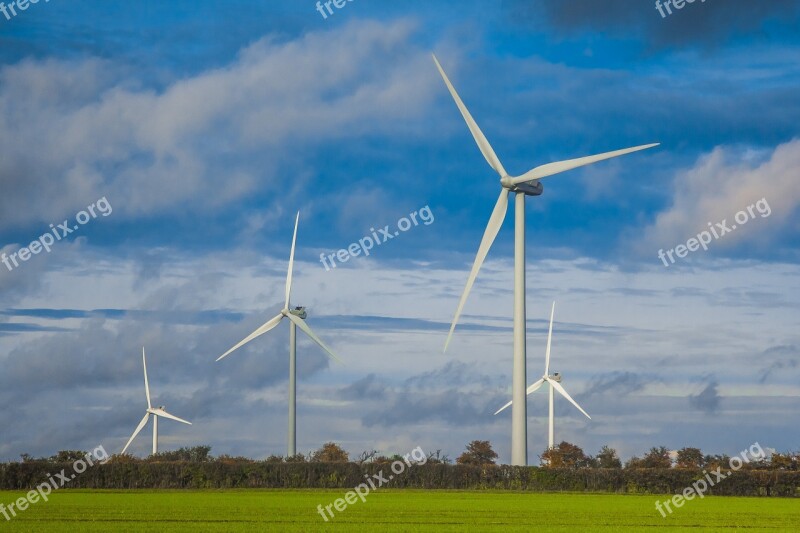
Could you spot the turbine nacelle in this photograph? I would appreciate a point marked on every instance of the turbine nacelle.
(528, 188)
(299, 312)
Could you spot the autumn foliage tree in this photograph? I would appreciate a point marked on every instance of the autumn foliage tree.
(330, 453)
(712, 462)
(690, 458)
(565, 455)
(479, 452)
(607, 458)
(657, 457)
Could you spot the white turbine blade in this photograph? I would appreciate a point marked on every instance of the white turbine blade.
(503, 408)
(257, 333)
(477, 134)
(492, 228)
(307, 330)
(549, 338)
(533, 388)
(161, 412)
(141, 426)
(146, 384)
(562, 166)
(556, 385)
(291, 263)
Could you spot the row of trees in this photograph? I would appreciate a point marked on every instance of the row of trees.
(567, 455)
(477, 453)
(123, 473)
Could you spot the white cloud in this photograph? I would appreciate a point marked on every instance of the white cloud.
(723, 183)
(74, 131)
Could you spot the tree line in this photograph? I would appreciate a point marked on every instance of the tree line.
(564, 468)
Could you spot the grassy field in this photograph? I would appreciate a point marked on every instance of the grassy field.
(390, 510)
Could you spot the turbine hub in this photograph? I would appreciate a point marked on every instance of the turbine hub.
(299, 312)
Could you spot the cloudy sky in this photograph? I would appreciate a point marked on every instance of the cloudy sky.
(206, 126)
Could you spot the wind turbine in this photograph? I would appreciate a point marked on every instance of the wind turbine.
(155, 411)
(296, 317)
(527, 184)
(555, 385)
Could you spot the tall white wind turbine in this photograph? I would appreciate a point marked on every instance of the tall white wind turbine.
(527, 184)
(555, 385)
(296, 317)
(155, 411)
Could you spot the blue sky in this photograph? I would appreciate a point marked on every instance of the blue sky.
(208, 125)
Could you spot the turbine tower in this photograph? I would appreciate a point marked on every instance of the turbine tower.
(527, 184)
(555, 385)
(156, 412)
(296, 317)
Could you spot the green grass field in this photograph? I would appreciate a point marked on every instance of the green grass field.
(390, 510)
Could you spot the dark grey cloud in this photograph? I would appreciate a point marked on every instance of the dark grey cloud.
(454, 393)
(25, 280)
(450, 406)
(369, 387)
(708, 399)
(149, 267)
(452, 374)
(707, 24)
(618, 383)
(786, 357)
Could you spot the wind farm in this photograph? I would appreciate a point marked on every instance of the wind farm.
(396, 362)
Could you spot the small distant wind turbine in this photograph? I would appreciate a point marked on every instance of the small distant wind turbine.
(527, 184)
(296, 317)
(555, 384)
(156, 412)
